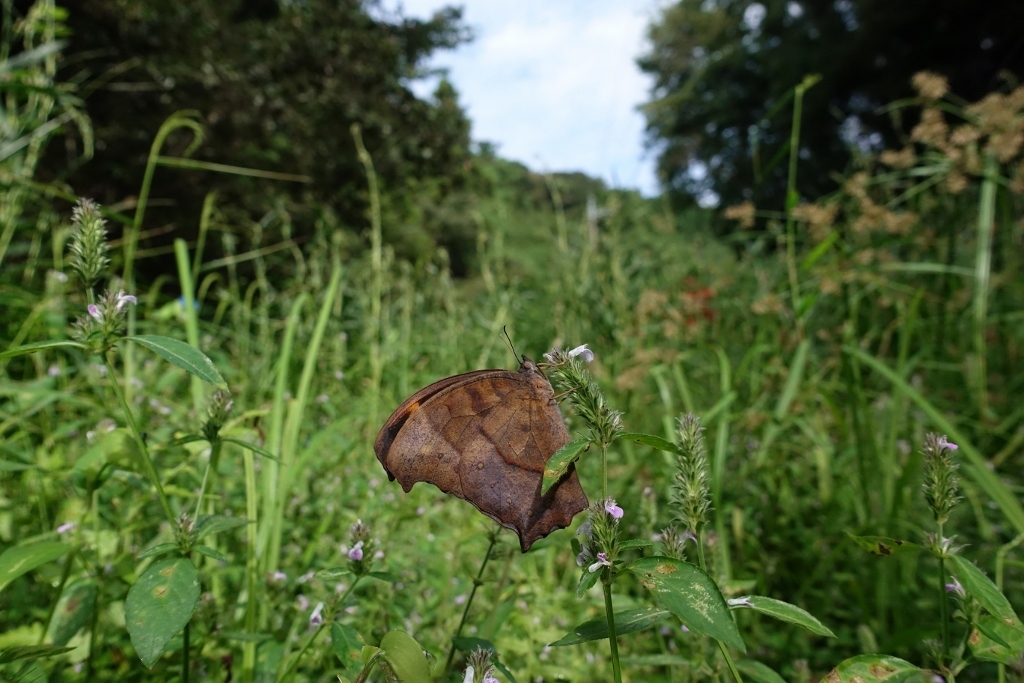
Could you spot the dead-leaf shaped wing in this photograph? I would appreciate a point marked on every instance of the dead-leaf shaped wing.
(485, 437)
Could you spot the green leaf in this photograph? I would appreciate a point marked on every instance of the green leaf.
(334, 573)
(650, 440)
(74, 610)
(183, 355)
(347, 644)
(387, 577)
(117, 448)
(783, 611)
(689, 593)
(405, 656)
(211, 524)
(21, 653)
(40, 346)
(877, 668)
(22, 559)
(158, 550)
(212, 553)
(635, 543)
(252, 447)
(159, 605)
(984, 646)
(587, 581)
(626, 621)
(981, 588)
(756, 672)
(558, 464)
(880, 545)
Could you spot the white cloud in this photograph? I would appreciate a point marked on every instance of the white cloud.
(555, 84)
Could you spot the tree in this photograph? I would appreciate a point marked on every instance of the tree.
(724, 70)
(277, 85)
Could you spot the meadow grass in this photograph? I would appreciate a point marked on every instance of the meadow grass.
(818, 351)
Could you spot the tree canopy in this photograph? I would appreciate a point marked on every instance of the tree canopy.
(724, 71)
(276, 86)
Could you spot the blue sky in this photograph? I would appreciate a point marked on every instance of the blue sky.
(554, 83)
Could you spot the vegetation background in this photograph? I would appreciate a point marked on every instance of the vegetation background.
(276, 196)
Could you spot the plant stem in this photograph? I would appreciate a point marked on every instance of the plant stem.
(604, 470)
(147, 462)
(721, 646)
(943, 603)
(609, 613)
(184, 654)
(465, 612)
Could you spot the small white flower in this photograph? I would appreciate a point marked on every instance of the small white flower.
(583, 351)
(316, 618)
(740, 602)
(53, 371)
(66, 527)
(470, 672)
(602, 561)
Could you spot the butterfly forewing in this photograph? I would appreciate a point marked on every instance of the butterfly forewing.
(485, 436)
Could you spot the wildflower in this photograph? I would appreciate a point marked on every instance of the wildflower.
(53, 371)
(356, 553)
(279, 577)
(955, 587)
(217, 412)
(602, 561)
(930, 86)
(740, 602)
(583, 352)
(94, 311)
(316, 618)
(612, 509)
(940, 480)
(123, 300)
(66, 527)
(88, 245)
(691, 492)
(303, 602)
(306, 577)
(479, 668)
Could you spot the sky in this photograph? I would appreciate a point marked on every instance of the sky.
(554, 83)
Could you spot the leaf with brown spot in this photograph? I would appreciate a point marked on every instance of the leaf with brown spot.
(159, 605)
(877, 668)
(485, 437)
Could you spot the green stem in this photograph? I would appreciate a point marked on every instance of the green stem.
(609, 613)
(184, 654)
(943, 605)
(604, 470)
(211, 464)
(290, 671)
(493, 536)
(721, 646)
(147, 462)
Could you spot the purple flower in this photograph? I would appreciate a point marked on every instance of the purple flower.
(612, 509)
(602, 561)
(279, 577)
(123, 299)
(95, 312)
(316, 618)
(66, 527)
(955, 587)
(583, 352)
(491, 679)
(946, 443)
(357, 552)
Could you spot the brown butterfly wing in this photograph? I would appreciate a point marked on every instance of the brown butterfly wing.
(485, 436)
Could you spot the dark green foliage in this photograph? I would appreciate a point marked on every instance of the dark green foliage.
(277, 86)
(722, 93)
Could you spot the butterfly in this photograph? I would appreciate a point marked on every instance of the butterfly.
(485, 436)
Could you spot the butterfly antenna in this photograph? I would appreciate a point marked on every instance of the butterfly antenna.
(511, 346)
